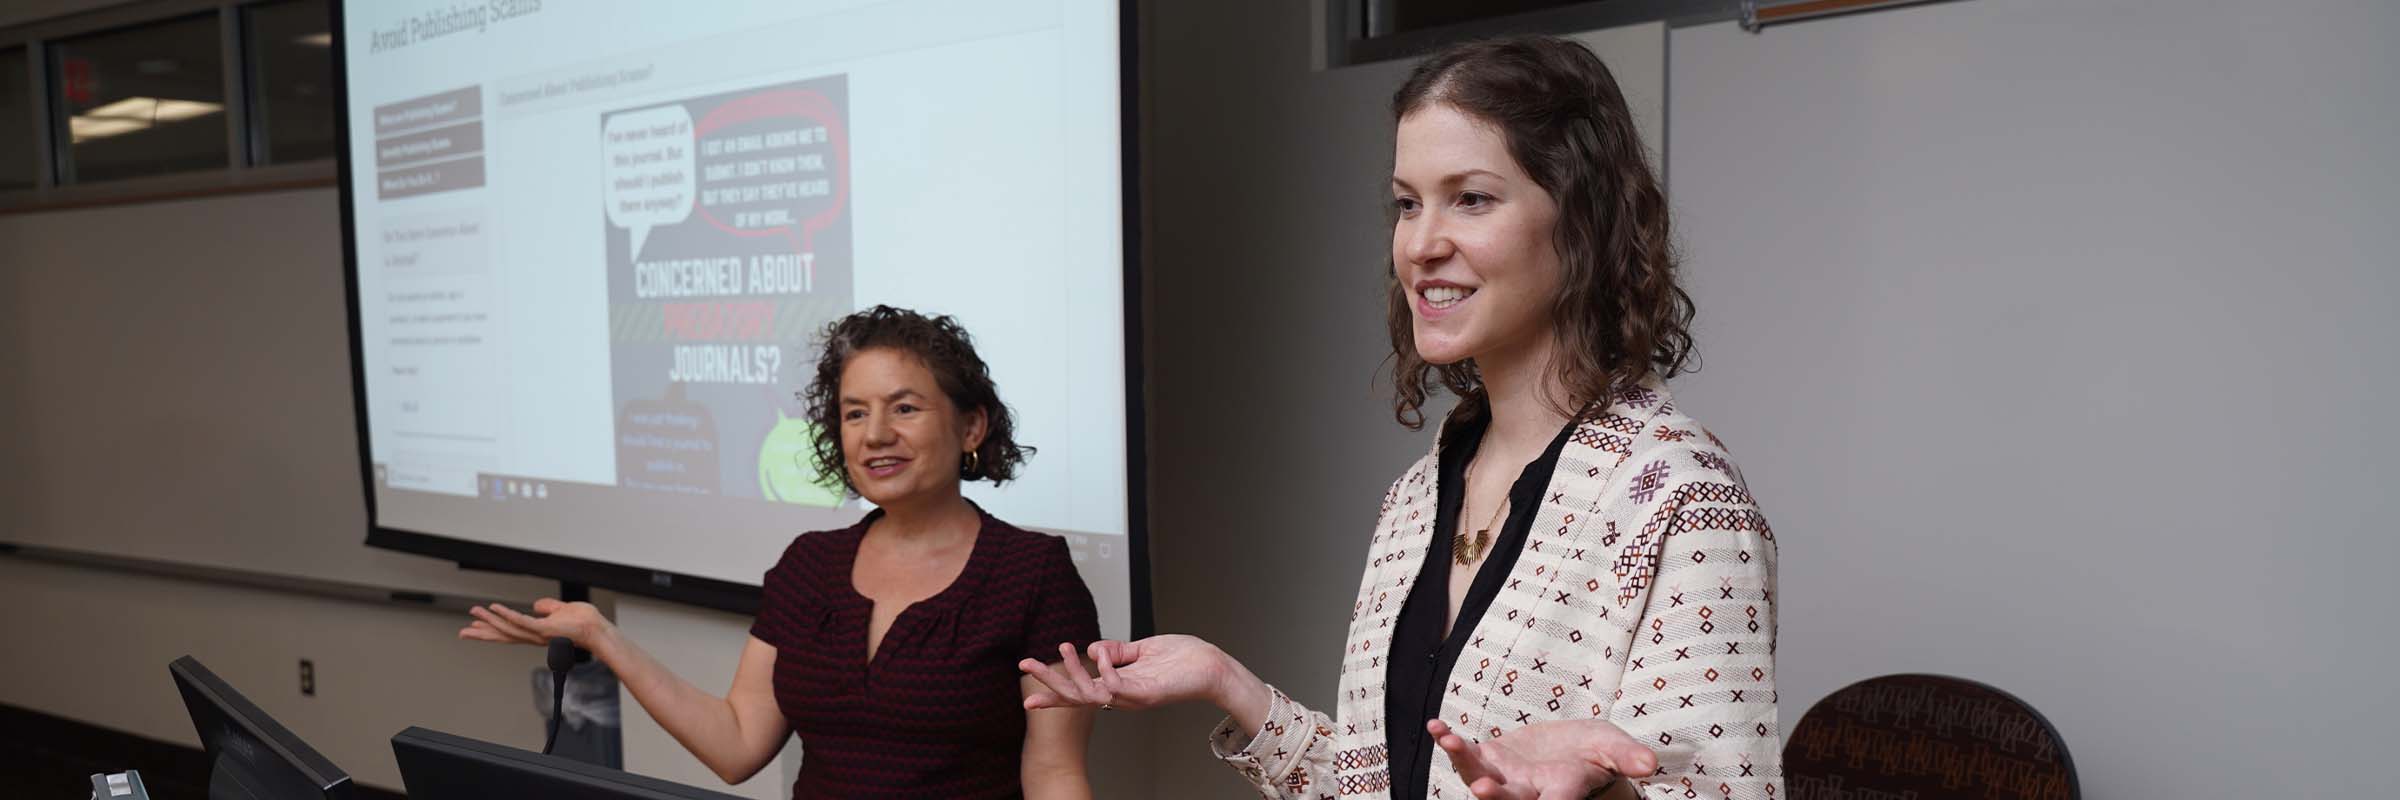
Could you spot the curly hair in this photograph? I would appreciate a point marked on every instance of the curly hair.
(946, 350)
(1620, 316)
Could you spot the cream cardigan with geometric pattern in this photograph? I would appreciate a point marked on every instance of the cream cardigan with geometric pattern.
(1644, 596)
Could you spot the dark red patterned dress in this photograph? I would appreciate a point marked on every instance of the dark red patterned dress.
(939, 713)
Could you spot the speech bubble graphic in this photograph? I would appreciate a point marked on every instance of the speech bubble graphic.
(649, 170)
(825, 148)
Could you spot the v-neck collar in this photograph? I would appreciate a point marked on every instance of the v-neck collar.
(1524, 501)
(910, 618)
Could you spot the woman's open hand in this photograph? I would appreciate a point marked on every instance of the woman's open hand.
(1133, 676)
(580, 622)
(1566, 759)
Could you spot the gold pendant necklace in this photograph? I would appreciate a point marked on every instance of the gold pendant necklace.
(1464, 551)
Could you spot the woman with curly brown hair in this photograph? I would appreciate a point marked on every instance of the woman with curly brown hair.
(1574, 586)
(892, 646)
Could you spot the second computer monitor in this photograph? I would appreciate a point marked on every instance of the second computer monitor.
(439, 766)
(252, 757)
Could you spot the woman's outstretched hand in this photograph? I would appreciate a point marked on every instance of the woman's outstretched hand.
(1562, 759)
(580, 622)
(1160, 670)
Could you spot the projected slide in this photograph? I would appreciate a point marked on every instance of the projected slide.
(726, 246)
(595, 242)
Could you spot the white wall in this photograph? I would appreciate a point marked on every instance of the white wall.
(2057, 339)
(93, 645)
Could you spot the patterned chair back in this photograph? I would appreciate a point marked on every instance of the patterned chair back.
(1923, 737)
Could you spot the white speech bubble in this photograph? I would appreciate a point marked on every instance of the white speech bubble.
(649, 167)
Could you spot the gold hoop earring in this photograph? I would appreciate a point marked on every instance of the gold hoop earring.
(974, 464)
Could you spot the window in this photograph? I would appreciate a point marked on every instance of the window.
(140, 101)
(16, 121)
(290, 53)
(1366, 31)
(1385, 17)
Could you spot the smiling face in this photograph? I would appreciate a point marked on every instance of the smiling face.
(1473, 244)
(902, 437)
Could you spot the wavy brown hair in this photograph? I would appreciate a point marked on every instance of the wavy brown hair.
(946, 350)
(1620, 316)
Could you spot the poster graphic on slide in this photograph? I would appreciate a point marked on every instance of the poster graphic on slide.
(729, 247)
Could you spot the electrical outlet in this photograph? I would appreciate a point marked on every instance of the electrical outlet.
(308, 678)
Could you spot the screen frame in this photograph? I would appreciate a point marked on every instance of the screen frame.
(723, 595)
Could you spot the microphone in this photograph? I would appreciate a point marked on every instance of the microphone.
(562, 658)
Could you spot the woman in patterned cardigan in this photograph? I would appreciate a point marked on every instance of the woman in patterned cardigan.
(1574, 585)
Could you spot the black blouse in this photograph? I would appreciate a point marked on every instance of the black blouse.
(1419, 670)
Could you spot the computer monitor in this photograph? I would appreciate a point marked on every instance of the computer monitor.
(251, 756)
(438, 765)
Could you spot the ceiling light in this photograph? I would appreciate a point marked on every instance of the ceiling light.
(85, 128)
(133, 114)
(152, 108)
